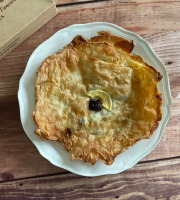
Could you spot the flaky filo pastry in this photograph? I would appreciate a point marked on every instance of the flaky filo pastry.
(103, 62)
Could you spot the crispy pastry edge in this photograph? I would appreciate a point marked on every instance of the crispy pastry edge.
(122, 44)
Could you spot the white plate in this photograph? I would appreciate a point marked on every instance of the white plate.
(52, 150)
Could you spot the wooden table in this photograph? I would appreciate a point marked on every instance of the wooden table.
(25, 174)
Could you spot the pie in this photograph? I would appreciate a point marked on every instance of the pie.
(96, 98)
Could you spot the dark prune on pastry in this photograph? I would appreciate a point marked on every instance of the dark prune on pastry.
(95, 104)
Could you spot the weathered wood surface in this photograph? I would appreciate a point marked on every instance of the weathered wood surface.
(13, 139)
(165, 44)
(157, 22)
(158, 180)
(59, 2)
(67, 2)
(140, 17)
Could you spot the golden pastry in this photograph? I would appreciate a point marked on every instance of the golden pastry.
(96, 98)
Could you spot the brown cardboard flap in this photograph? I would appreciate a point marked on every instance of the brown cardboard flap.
(19, 19)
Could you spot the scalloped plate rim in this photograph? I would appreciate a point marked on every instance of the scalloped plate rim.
(125, 32)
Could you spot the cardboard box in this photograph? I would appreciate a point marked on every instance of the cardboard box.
(21, 18)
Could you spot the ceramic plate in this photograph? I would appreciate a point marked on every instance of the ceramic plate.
(54, 151)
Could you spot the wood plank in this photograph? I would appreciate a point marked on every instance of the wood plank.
(140, 17)
(20, 159)
(167, 47)
(158, 180)
(30, 162)
(156, 15)
(61, 2)
(19, 156)
(165, 44)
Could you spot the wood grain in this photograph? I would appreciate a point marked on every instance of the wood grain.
(158, 180)
(140, 17)
(167, 47)
(62, 2)
(157, 22)
(9, 77)
(20, 157)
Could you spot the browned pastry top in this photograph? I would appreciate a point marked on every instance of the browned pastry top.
(105, 63)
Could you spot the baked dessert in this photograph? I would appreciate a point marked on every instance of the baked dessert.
(96, 98)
